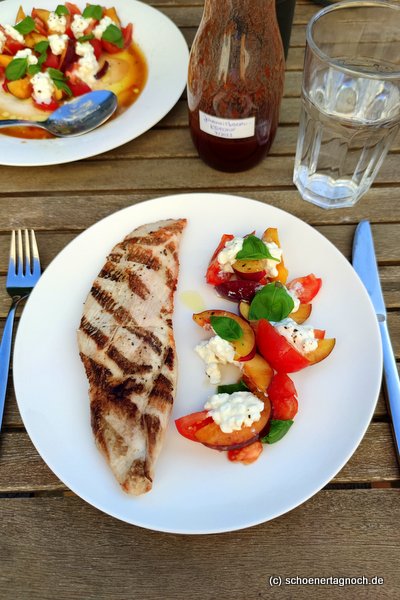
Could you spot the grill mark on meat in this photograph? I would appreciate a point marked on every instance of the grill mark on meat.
(170, 359)
(97, 421)
(148, 337)
(154, 238)
(138, 470)
(127, 366)
(97, 374)
(114, 257)
(171, 280)
(144, 257)
(103, 298)
(137, 286)
(161, 393)
(99, 338)
(111, 271)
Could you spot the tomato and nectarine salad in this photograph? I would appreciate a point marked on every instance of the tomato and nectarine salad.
(267, 338)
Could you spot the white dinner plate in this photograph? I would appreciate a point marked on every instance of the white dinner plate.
(197, 490)
(167, 54)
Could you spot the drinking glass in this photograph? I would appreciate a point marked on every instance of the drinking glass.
(350, 104)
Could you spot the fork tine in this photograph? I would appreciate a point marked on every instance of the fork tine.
(35, 254)
(27, 251)
(11, 262)
(20, 255)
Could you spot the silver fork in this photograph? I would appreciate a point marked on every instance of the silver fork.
(23, 273)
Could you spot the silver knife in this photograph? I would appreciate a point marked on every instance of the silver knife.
(364, 262)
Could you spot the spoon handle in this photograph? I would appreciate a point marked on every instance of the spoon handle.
(14, 122)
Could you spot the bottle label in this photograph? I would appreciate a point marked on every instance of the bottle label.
(234, 129)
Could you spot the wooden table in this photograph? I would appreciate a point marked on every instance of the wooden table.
(53, 544)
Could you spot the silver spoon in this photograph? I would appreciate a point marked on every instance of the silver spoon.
(75, 117)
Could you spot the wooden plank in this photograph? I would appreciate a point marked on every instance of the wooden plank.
(23, 470)
(162, 175)
(75, 212)
(82, 553)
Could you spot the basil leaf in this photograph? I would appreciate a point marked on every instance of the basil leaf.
(61, 85)
(272, 302)
(86, 38)
(55, 74)
(254, 249)
(231, 388)
(226, 328)
(16, 69)
(61, 10)
(277, 430)
(33, 69)
(25, 26)
(113, 34)
(41, 47)
(93, 11)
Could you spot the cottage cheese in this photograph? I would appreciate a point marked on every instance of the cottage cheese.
(14, 34)
(101, 27)
(2, 41)
(27, 53)
(233, 411)
(270, 264)
(56, 23)
(79, 24)
(57, 43)
(300, 336)
(87, 64)
(215, 351)
(43, 88)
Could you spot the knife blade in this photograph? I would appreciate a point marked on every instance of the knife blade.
(364, 263)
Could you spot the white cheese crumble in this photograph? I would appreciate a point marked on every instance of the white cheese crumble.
(227, 256)
(2, 40)
(296, 301)
(215, 351)
(14, 34)
(87, 64)
(79, 24)
(102, 26)
(57, 23)
(27, 53)
(43, 88)
(300, 336)
(232, 411)
(57, 43)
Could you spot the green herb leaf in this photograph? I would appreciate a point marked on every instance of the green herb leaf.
(226, 328)
(33, 69)
(254, 249)
(61, 10)
(277, 430)
(55, 74)
(271, 302)
(113, 34)
(86, 38)
(25, 26)
(61, 85)
(93, 11)
(16, 69)
(231, 388)
(41, 47)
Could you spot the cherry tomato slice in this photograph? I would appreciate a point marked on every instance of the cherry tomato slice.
(189, 424)
(306, 288)
(277, 351)
(72, 8)
(79, 88)
(282, 394)
(214, 275)
(52, 105)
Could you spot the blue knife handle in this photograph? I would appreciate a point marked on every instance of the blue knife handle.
(392, 383)
(5, 354)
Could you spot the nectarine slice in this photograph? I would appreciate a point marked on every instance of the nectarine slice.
(245, 346)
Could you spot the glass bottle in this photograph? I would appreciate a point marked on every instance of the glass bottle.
(235, 82)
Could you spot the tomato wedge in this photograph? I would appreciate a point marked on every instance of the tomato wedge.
(277, 351)
(306, 288)
(246, 455)
(282, 394)
(189, 424)
(214, 275)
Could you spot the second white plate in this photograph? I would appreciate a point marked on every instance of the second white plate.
(167, 57)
